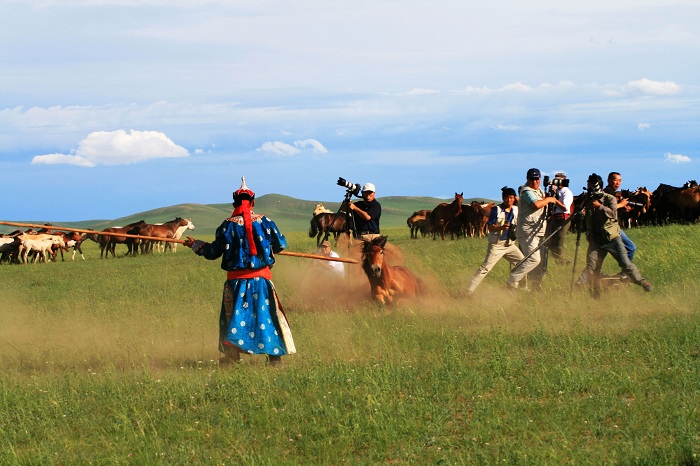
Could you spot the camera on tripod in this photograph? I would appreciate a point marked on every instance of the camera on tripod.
(594, 186)
(558, 182)
(352, 188)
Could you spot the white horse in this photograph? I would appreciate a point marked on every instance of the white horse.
(178, 234)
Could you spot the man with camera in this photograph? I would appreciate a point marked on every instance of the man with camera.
(367, 213)
(501, 225)
(559, 219)
(603, 235)
(613, 188)
(532, 225)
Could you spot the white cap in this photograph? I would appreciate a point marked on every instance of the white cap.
(368, 187)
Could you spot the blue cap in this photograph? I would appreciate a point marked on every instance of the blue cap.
(533, 174)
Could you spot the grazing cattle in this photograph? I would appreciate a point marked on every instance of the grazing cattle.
(387, 283)
(444, 214)
(418, 222)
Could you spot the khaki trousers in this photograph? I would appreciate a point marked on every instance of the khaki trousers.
(494, 253)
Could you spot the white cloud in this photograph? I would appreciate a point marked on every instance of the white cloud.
(63, 159)
(649, 87)
(643, 126)
(279, 148)
(316, 146)
(507, 127)
(677, 158)
(117, 148)
(284, 149)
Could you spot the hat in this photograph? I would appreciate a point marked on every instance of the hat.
(243, 193)
(325, 244)
(533, 174)
(242, 199)
(368, 187)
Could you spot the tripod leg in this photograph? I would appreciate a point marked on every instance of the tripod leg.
(578, 242)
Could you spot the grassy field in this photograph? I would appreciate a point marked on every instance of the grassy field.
(290, 214)
(114, 362)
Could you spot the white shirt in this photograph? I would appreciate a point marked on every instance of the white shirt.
(566, 197)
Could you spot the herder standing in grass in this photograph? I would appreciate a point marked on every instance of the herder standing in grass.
(252, 319)
(603, 235)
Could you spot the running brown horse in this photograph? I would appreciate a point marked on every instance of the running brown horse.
(386, 282)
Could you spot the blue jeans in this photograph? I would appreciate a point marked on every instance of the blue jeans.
(629, 245)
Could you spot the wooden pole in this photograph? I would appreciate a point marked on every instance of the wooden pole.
(168, 240)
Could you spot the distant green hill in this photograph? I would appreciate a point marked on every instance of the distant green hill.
(289, 213)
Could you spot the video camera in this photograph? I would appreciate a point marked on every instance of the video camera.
(352, 188)
(594, 186)
(558, 182)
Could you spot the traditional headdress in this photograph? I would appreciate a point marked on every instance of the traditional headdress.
(241, 203)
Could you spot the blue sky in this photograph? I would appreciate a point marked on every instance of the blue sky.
(109, 108)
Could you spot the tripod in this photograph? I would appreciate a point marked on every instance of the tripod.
(578, 214)
(349, 219)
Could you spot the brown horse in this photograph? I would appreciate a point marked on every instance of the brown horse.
(167, 230)
(418, 222)
(325, 220)
(444, 214)
(386, 282)
(109, 243)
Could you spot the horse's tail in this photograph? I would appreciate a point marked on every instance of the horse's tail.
(313, 229)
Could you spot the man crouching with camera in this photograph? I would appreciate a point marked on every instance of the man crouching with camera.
(603, 235)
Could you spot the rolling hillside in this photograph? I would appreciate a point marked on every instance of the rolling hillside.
(289, 213)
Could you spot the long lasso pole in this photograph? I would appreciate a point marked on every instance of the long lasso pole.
(167, 240)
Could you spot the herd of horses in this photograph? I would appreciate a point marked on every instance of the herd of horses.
(47, 242)
(666, 204)
(455, 218)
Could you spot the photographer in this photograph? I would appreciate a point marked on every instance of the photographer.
(560, 190)
(603, 235)
(532, 224)
(613, 188)
(367, 213)
(501, 225)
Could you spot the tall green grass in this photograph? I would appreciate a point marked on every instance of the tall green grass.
(114, 362)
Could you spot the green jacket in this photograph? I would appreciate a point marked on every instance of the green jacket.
(601, 222)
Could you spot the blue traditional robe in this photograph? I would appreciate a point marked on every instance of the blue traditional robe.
(252, 317)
